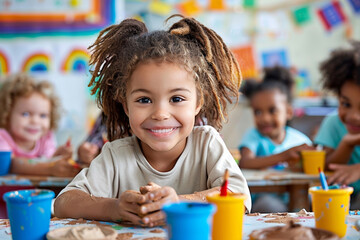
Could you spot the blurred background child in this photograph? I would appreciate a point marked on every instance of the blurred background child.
(91, 147)
(29, 114)
(272, 143)
(339, 133)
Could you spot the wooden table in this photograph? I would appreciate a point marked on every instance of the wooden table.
(250, 223)
(294, 183)
(13, 182)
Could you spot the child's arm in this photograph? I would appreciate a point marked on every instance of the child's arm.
(79, 204)
(344, 150)
(249, 160)
(59, 168)
(344, 174)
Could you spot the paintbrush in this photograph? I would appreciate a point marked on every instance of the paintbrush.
(223, 190)
(323, 180)
(68, 142)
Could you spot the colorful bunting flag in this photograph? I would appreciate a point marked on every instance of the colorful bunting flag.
(331, 15)
(216, 5)
(189, 8)
(355, 5)
(301, 15)
(160, 8)
(249, 3)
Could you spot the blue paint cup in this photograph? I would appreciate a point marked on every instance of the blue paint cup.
(29, 213)
(5, 162)
(189, 220)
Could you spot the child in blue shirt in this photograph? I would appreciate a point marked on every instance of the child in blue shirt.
(339, 133)
(271, 143)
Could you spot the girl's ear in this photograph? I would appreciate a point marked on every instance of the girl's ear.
(126, 110)
(289, 111)
(199, 106)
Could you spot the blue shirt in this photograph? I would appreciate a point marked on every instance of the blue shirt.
(331, 131)
(263, 146)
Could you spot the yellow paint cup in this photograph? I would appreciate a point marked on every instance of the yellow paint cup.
(312, 160)
(331, 208)
(228, 218)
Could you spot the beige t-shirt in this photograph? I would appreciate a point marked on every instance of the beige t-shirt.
(122, 166)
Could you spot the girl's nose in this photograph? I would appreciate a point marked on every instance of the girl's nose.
(160, 113)
(355, 115)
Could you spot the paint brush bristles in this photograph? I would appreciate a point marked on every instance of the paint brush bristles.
(223, 190)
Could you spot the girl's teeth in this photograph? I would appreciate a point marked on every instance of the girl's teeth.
(162, 130)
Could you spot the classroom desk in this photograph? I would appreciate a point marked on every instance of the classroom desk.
(14, 182)
(159, 233)
(295, 183)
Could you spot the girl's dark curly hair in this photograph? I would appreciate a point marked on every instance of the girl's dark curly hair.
(343, 65)
(120, 48)
(276, 77)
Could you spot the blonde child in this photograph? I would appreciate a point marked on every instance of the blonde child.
(339, 133)
(272, 143)
(153, 86)
(28, 116)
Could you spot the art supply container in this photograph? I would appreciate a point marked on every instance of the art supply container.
(228, 219)
(5, 162)
(312, 160)
(331, 208)
(29, 213)
(189, 220)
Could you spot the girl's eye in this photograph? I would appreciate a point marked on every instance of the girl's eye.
(257, 112)
(177, 99)
(25, 114)
(345, 104)
(272, 110)
(144, 100)
(44, 115)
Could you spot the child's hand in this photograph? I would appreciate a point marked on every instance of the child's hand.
(155, 199)
(292, 155)
(344, 174)
(87, 152)
(149, 187)
(352, 139)
(62, 168)
(129, 207)
(64, 151)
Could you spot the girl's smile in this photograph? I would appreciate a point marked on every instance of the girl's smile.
(349, 106)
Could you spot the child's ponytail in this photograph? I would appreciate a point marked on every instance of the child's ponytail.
(224, 76)
(108, 59)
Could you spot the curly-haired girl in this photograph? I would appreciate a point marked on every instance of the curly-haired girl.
(339, 133)
(29, 114)
(153, 86)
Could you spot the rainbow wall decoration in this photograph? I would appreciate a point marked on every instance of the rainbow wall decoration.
(37, 62)
(4, 64)
(76, 61)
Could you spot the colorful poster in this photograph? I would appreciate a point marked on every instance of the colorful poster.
(275, 58)
(76, 61)
(55, 17)
(246, 60)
